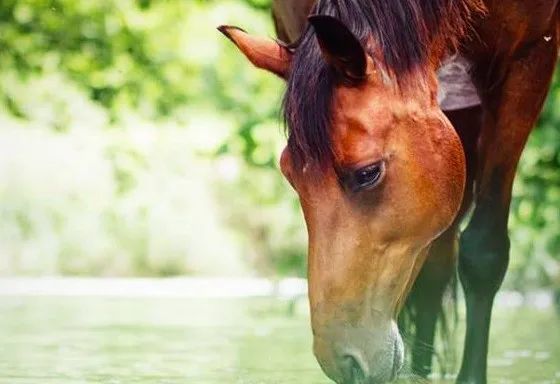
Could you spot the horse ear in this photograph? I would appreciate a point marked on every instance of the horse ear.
(341, 49)
(264, 53)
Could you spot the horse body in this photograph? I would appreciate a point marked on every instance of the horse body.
(368, 250)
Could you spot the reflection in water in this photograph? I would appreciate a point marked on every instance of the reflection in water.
(70, 340)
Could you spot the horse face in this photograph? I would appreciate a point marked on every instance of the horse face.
(395, 183)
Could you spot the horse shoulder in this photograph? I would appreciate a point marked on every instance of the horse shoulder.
(512, 24)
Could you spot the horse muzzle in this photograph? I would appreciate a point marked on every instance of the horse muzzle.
(350, 355)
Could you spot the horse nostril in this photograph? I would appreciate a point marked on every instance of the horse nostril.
(354, 370)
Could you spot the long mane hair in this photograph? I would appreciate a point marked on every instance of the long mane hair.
(404, 32)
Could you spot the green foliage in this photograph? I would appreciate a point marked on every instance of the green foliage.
(124, 123)
(535, 219)
(142, 55)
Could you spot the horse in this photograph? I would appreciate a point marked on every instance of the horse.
(404, 118)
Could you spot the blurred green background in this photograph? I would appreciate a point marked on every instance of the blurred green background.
(136, 141)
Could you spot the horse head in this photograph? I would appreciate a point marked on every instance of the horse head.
(380, 173)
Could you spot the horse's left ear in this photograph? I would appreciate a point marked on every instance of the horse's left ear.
(264, 53)
(340, 48)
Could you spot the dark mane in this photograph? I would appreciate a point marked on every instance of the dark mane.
(404, 31)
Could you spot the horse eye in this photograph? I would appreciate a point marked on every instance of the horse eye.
(369, 176)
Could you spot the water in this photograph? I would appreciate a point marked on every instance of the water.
(256, 341)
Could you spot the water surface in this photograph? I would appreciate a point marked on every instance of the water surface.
(241, 341)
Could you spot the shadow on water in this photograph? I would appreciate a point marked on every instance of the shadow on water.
(83, 340)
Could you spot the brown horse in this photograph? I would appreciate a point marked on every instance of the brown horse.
(385, 176)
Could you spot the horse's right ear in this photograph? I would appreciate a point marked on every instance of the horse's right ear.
(341, 49)
(264, 53)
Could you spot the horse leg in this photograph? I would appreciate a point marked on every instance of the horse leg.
(426, 298)
(511, 108)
